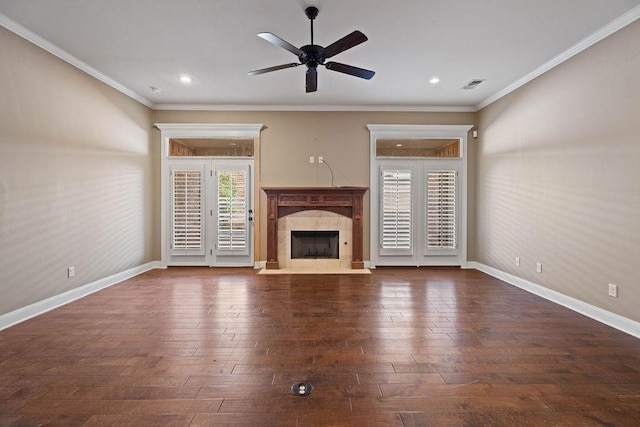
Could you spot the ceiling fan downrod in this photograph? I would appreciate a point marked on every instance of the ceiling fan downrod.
(312, 13)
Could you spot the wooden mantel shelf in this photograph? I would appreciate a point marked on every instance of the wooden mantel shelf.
(283, 201)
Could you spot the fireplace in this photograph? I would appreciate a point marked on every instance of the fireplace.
(314, 244)
(320, 206)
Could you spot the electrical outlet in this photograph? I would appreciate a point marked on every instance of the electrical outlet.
(312, 159)
(539, 267)
(71, 271)
(320, 159)
(613, 290)
(517, 262)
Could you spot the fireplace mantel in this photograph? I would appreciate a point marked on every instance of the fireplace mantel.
(282, 201)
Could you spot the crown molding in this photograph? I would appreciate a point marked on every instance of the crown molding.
(615, 25)
(356, 108)
(32, 37)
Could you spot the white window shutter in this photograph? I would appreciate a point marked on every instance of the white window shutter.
(232, 212)
(396, 210)
(187, 212)
(441, 211)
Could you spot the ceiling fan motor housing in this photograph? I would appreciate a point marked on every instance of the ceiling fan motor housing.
(314, 55)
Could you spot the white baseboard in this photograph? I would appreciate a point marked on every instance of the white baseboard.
(611, 319)
(603, 316)
(40, 307)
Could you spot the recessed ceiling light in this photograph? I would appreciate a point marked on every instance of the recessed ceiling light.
(186, 79)
(434, 80)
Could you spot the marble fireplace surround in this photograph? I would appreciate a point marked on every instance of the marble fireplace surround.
(320, 207)
(315, 220)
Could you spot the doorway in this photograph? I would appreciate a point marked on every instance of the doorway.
(208, 191)
(418, 195)
(211, 212)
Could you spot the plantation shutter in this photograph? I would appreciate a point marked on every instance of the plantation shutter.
(187, 212)
(441, 211)
(232, 202)
(396, 210)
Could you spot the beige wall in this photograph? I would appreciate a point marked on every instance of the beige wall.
(289, 138)
(76, 170)
(558, 177)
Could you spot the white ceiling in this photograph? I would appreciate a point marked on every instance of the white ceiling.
(136, 44)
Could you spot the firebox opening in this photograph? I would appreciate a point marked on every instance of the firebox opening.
(314, 245)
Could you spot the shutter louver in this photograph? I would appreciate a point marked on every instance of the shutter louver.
(396, 209)
(232, 211)
(441, 209)
(187, 212)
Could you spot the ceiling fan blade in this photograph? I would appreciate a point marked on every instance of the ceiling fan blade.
(347, 42)
(312, 79)
(269, 69)
(272, 38)
(350, 69)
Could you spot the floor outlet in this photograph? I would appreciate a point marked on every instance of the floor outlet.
(613, 290)
(539, 267)
(302, 389)
(71, 271)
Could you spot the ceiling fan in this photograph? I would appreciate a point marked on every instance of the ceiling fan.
(313, 55)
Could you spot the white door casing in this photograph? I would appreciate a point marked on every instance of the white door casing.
(212, 256)
(437, 232)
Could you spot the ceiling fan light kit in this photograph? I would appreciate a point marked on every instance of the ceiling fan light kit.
(313, 55)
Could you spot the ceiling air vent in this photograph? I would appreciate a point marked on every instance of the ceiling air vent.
(472, 84)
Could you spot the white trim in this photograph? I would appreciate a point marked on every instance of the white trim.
(67, 57)
(41, 307)
(615, 25)
(357, 108)
(603, 316)
(418, 131)
(208, 130)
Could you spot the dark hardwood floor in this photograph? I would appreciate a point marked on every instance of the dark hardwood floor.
(401, 347)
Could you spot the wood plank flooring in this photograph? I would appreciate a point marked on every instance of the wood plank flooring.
(399, 347)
